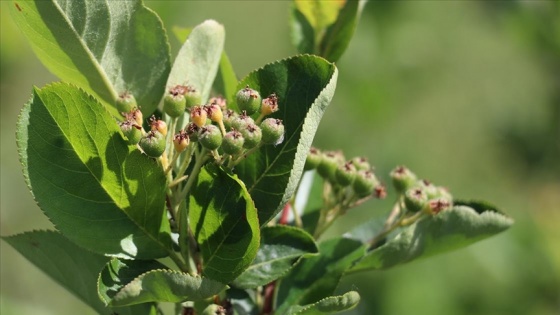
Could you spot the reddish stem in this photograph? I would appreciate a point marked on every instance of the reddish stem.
(268, 298)
(285, 214)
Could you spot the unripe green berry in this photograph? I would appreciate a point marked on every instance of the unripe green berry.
(233, 142)
(345, 174)
(192, 96)
(313, 159)
(269, 105)
(174, 105)
(328, 165)
(415, 198)
(252, 135)
(272, 131)
(403, 179)
(430, 189)
(153, 143)
(365, 183)
(131, 131)
(248, 100)
(210, 137)
(158, 124)
(229, 117)
(361, 163)
(242, 121)
(126, 102)
(134, 115)
(199, 116)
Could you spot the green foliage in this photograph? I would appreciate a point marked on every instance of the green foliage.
(224, 223)
(86, 178)
(99, 46)
(211, 210)
(305, 86)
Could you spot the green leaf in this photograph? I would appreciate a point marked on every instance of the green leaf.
(338, 35)
(198, 59)
(128, 282)
(315, 278)
(105, 47)
(99, 192)
(319, 14)
(305, 86)
(302, 32)
(226, 81)
(224, 222)
(280, 248)
(446, 231)
(71, 266)
(329, 305)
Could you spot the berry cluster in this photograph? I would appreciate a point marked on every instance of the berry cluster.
(355, 175)
(420, 195)
(217, 128)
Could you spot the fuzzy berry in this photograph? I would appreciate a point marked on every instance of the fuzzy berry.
(233, 142)
(313, 159)
(214, 112)
(192, 131)
(242, 121)
(220, 101)
(415, 198)
(210, 137)
(361, 163)
(192, 96)
(158, 124)
(269, 105)
(229, 117)
(199, 116)
(345, 174)
(174, 104)
(252, 135)
(131, 131)
(328, 164)
(403, 179)
(126, 102)
(272, 131)
(248, 100)
(365, 183)
(153, 143)
(181, 141)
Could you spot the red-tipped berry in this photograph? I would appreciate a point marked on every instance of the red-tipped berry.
(272, 131)
(242, 121)
(153, 143)
(214, 112)
(345, 174)
(313, 159)
(131, 131)
(269, 105)
(192, 96)
(192, 131)
(403, 179)
(199, 116)
(233, 142)
(365, 183)
(158, 124)
(361, 163)
(220, 101)
(181, 141)
(126, 102)
(174, 103)
(229, 117)
(248, 100)
(210, 137)
(415, 198)
(252, 135)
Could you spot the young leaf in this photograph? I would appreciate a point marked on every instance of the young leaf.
(464, 224)
(99, 192)
(280, 248)
(71, 266)
(199, 57)
(315, 278)
(224, 222)
(324, 28)
(328, 305)
(338, 35)
(129, 282)
(305, 86)
(105, 47)
(226, 80)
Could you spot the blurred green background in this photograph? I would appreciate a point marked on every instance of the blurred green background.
(465, 93)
